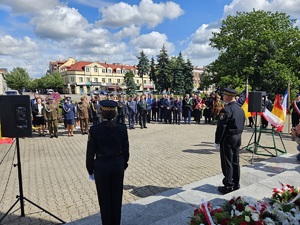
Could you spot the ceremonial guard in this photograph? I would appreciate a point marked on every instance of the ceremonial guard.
(155, 108)
(228, 138)
(106, 160)
(122, 110)
(51, 115)
(83, 109)
(132, 111)
(69, 115)
(217, 106)
(142, 110)
(295, 108)
(187, 108)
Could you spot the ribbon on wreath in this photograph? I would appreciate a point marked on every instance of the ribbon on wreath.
(205, 208)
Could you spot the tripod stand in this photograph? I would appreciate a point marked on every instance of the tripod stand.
(20, 197)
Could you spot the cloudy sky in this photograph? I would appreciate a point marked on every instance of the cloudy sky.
(35, 32)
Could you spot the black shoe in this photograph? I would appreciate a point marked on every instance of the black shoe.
(51, 136)
(225, 190)
(55, 135)
(133, 127)
(141, 127)
(236, 187)
(145, 127)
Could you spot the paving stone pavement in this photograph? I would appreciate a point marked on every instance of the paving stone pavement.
(162, 157)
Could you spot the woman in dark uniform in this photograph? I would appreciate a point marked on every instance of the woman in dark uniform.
(69, 115)
(106, 158)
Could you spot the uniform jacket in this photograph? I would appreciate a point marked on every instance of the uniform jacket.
(107, 143)
(122, 108)
(83, 110)
(142, 106)
(51, 111)
(69, 111)
(232, 119)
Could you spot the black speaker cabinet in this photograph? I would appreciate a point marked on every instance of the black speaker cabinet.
(257, 101)
(15, 116)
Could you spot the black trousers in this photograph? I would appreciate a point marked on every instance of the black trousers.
(143, 118)
(295, 119)
(109, 176)
(230, 159)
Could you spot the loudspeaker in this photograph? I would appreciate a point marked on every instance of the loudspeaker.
(257, 101)
(15, 116)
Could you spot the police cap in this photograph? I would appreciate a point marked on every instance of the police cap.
(108, 105)
(230, 92)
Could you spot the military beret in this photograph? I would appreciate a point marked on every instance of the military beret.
(108, 105)
(229, 92)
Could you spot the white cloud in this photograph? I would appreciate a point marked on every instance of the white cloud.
(147, 12)
(59, 23)
(28, 6)
(151, 44)
(131, 31)
(94, 3)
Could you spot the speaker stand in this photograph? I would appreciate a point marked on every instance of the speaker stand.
(20, 197)
(255, 145)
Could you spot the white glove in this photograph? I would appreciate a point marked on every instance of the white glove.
(217, 146)
(92, 177)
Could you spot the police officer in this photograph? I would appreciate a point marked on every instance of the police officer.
(106, 160)
(228, 137)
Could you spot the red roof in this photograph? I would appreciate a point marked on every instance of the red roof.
(79, 66)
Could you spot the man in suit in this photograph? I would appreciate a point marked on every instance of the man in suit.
(122, 110)
(142, 110)
(155, 108)
(228, 138)
(132, 111)
(106, 160)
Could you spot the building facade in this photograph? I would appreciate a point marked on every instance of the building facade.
(81, 77)
(3, 86)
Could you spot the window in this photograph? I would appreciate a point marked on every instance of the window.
(108, 70)
(95, 69)
(118, 80)
(87, 69)
(103, 70)
(96, 80)
(118, 71)
(103, 80)
(81, 79)
(137, 81)
(145, 81)
(123, 71)
(72, 79)
(88, 79)
(109, 80)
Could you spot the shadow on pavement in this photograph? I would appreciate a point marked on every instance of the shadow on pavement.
(145, 191)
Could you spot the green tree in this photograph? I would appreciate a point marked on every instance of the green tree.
(163, 75)
(188, 76)
(17, 79)
(260, 46)
(178, 80)
(53, 81)
(129, 81)
(152, 73)
(143, 66)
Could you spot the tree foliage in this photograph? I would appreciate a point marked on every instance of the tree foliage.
(177, 69)
(260, 46)
(163, 74)
(143, 66)
(129, 81)
(188, 76)
(17, 79)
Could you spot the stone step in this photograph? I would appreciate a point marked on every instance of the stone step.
(177, 205)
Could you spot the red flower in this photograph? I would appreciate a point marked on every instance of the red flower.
(259, 223)
(243, 223)
(240, 207)
(224, 221)
(231, 201)
(198, 211)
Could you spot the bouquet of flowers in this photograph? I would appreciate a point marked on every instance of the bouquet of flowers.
(282, 208)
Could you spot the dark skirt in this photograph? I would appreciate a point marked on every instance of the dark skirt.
(70, 122)
(38, 121)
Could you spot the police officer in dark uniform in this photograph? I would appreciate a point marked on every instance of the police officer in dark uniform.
(228, 138)
(106, 160)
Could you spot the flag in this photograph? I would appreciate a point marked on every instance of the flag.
(245, 108)
(273, 120)
(277, 108)
(4, 140)
(285, 103)
(243, 96)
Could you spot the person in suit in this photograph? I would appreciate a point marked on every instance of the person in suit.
(69, 115)
(187, 108)
(168, 110)
(295, 108)
(51, 116)
(38, 116)
(122, 110)
(161, 107)
(177, 110)
(149, 101)
(142, 111)
(82, 111)
(106, 161)
(132, 111)
(155, 108)
(228, 138)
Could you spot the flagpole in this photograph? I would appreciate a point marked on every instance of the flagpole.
(288, 100)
